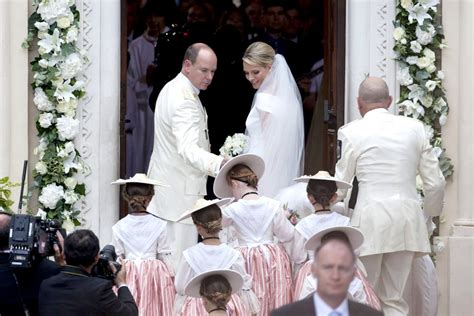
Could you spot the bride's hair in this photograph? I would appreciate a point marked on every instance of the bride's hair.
(210, 218)
(259, 54)
(217, 290)
(244, 174)
(322, 191)
(137, 195)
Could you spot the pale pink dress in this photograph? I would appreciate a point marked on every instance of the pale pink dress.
(256, 224)
(305, 284)
(142, 240)
(201, 258)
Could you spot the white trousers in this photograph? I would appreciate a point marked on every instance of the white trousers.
(421, 291)
(180, 236)
(388, 273)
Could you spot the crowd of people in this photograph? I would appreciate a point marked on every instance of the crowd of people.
(159, 33)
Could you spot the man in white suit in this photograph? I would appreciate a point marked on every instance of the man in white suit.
(181, 151)
(386, 152)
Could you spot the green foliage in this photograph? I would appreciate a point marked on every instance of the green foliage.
(5, 193)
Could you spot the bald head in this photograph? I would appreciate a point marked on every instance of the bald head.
(373, 93)
(192, 51)
(5, 222)
(199, 65)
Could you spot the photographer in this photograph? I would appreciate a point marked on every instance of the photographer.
(19, 287)
(75, 292)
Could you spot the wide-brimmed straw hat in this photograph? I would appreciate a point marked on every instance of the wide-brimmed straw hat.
(254, 162)
(235, 279)
(325, 176)
(355, 236)
(202, 203)
(139, 178)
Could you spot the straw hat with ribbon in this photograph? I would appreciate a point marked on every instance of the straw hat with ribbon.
(355, 236)
(139, 178)
(201, 204)
(325, 176)
(235, 279)
(222, 188)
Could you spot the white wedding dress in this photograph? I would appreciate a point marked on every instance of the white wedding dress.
(275, 128)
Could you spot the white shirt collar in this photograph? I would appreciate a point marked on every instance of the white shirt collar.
(377, 111)
(184, 78)
(323, 309)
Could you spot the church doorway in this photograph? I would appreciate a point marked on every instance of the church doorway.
(321, 78)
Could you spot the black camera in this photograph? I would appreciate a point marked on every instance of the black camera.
(32, 238)
(102, 269)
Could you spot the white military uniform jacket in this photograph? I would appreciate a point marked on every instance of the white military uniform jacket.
(386, 152)
(181, 156)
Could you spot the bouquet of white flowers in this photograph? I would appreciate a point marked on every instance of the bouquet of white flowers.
(234, 145)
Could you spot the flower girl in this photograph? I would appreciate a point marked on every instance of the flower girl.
(257, 220)
(140, 240)
(211, 254)
(321, 190)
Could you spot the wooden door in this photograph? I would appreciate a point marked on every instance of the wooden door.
(335, 51)
(328, 116)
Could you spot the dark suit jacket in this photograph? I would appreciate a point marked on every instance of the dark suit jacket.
(305, 307)
(29, 281)
(75, 292)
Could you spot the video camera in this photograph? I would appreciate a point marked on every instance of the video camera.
(102, 269)
(31, 238)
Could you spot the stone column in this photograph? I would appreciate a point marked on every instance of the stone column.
(369, 48)
(455, 262)
(99, 113)
(13, 90)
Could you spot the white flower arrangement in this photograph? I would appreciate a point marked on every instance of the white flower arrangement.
(419, 38)
(234, 145)
(57, 87)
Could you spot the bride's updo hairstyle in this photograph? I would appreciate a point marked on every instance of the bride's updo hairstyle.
(244, 174)
(138, 195)
(210, 218)
(322, 191)
(216, 289)
(259, 54)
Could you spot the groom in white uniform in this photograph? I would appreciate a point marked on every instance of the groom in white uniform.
(181, 151)
(386, 152)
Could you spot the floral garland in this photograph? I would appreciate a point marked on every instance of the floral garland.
(57, 89)
(419, 38)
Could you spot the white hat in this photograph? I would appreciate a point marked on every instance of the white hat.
(139, 178)
(324, 175)
(202, 203)
(235, 279)
(254, 162)
(355, 236)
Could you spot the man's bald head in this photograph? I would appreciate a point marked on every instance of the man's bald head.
(373, 93)
(193, 50)
(199, 65)
(5, 222)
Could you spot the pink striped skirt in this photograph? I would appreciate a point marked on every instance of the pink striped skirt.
(193, 306)
(151, 285)
(303, 273)
(270, 268)
(372, 299)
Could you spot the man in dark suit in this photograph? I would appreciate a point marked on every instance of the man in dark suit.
(75, 292)
(334, 268)
(19, 287)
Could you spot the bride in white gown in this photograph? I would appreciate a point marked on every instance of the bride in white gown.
(275, 122)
